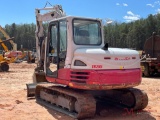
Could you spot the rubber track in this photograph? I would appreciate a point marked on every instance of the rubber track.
(86, 101)
(122, 97)
(141, 98)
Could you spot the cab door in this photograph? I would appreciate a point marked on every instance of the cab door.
(56, 48)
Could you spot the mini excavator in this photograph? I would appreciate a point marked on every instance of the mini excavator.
(75, 67)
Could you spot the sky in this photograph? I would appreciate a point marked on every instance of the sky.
(23, 11)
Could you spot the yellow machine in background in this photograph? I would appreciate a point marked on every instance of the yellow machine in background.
(13, 52)
(14, 45)
(7, 55)
(31, 56)
(4, 61)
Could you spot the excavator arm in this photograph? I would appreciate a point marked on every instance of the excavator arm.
(8, 37)
(4, 33)
(4, 46)
(54, 13)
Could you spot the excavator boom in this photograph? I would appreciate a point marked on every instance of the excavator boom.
(4, 46)
(14, 45)
(54, 13)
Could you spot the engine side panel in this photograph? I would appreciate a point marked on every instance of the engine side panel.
(97, 79)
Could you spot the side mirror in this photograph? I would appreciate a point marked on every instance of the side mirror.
(105, 47)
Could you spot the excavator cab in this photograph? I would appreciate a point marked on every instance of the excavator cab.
(62, 40)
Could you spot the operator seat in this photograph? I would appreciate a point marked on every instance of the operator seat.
(83, 37)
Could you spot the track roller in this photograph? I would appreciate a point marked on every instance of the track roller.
(68, 101)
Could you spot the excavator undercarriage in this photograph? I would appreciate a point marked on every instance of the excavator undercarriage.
(82, 104)
(77, 104)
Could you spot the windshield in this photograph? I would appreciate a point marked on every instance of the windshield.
(87, 32)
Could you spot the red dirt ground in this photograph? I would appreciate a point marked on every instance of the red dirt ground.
(15, 106)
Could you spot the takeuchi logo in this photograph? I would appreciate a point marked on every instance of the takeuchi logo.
(126, 58)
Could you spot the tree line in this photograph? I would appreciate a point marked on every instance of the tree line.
(123, 35)
(133, 34)
(24, 35)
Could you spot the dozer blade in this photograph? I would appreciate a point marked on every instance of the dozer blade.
(31, 87)
(31, 90)
(38, 78)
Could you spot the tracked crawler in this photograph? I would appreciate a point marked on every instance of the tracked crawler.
(75, 69)
(82, 104)
(74, 103)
